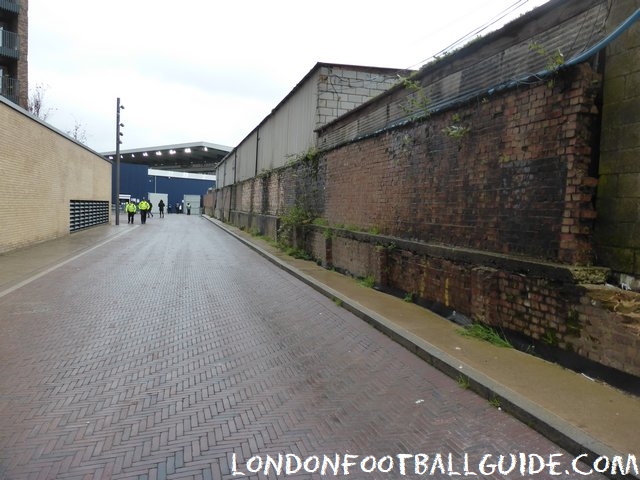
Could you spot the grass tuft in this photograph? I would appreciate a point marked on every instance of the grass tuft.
(488, 334)
(463, 381)
(368, 281)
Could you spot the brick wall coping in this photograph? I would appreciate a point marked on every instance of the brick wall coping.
(478, 258)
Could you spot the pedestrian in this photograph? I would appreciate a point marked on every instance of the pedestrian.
(177, 207)
(130, 208)
(188, 208)
(149, 212)
(168, 208)
(161, 208)
(143, 206)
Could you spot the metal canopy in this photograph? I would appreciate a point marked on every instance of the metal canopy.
(197, 157)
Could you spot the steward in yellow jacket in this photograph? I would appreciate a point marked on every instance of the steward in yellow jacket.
(144, 208)
(130, 208)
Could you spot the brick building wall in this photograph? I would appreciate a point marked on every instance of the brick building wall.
(41, 170)
(23, 63)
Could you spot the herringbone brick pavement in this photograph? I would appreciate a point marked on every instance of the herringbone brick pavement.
(174, 349)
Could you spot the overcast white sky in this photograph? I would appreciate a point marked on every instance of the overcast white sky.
(202, 70)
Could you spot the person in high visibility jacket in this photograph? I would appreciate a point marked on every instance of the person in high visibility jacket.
(131, 209)
(144, 208)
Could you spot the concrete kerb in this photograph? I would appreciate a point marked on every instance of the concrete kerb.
(556, 429)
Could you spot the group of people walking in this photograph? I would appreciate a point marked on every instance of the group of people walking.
(144, 207)
(179, 207)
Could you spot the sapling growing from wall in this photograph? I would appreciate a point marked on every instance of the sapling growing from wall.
(456, 130)
(554, 60)
(417, 102)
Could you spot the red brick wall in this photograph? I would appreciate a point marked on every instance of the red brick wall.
(595, 322)
(517, 182)
(610, 330)
(271, 194)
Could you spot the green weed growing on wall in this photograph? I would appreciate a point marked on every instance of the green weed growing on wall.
(305, 168)
(417, 102)
(295, 217)
(309, 160)
(456, 130)
(550, 337)
(554, 60)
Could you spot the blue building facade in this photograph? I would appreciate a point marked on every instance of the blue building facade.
(138, 181)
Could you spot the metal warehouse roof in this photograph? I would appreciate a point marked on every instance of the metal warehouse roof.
(197, 157)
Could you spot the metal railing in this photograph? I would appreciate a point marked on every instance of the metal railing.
(9, 44)
(10, 5)
(9, 88)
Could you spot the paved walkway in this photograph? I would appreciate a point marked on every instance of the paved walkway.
(170, 350)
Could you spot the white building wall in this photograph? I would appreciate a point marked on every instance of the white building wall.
(326, 93)
(225, 171)
(245, 161)
(288, 132)
(343, 88)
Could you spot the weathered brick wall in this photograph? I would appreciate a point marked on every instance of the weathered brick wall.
(40, 172)
(590, 321)
(547, 309)
(608, 326)
(256, 194)
(208, 201)
(354, 257)
(516, 180)
(222, 203)
(508, 177)
(319, 245)
(270, 194)
(245, 196)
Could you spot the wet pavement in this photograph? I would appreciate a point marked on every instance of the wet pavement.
(172, 350)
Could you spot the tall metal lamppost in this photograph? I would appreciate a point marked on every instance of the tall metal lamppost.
(118, 142)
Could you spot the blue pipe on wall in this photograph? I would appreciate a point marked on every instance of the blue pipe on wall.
(605, 41)
(619, 30)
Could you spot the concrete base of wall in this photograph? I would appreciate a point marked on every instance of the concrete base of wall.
(266, 225)
(476, 258)
(565, 308)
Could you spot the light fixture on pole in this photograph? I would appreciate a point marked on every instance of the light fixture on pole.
(118, 142)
